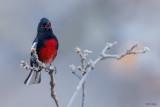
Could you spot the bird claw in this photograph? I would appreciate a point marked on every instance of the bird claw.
(49, 67)
(55, 70)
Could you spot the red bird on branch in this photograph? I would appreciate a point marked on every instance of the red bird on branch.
(46, 45)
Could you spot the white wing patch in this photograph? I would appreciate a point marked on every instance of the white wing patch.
(34, 45)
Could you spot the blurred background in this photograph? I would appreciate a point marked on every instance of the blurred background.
(133, 81)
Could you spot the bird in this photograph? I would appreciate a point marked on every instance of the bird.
(46, 45)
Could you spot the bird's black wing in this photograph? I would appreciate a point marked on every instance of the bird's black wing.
(32, 59)
(33, 77)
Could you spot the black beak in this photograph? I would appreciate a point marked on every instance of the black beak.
(48, 25)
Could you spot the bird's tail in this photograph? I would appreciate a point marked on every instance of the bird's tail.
(33, 78)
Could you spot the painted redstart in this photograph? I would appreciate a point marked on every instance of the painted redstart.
(46, 45)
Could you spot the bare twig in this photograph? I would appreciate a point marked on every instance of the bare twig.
(83, 57)
(73, 67)
(41, 66)
(82, 68)
(130, 51)
(52, 83)
(83, 94)
(103, 56)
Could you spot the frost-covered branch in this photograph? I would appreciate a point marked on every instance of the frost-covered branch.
(82, 69)
(91, 64)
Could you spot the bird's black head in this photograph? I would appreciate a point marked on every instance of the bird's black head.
(44, 25)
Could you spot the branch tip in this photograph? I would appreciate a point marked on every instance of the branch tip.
(87, 51)
(33, 50)
(78, 50)
(90, 62)
(73, 67)
(22, 62)
(146, 49)
(25, 67)
(80, 68)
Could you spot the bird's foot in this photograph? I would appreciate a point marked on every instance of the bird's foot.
(55, 69)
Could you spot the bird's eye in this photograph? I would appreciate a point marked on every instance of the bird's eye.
(42, 26)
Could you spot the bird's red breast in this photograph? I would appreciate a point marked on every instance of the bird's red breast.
(48, 52)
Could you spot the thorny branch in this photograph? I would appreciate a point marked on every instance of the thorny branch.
(90, 66)
(41, 66)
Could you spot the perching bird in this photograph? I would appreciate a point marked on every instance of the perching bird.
(46, 45)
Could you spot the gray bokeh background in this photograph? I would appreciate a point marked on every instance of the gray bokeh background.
(88, 24)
